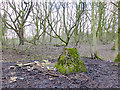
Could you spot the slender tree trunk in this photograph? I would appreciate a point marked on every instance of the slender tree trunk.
(119, 26)
(50, 17)
(94, 32)
(76, 28)
(0, 30)
(117, 59)
(113, 32)
(79, 35)
(4, 29)
(44, 27)
(99, 24)
(114, 23)
(103, 19)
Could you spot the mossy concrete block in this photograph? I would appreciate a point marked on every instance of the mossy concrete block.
(70, 62)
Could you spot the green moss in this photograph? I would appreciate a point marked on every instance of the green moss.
(59, 45)
(113, 48)
(61, 60)
(64, 44)
(70, 62)
(98, 57)
(117, 59)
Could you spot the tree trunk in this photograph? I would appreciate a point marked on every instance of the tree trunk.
(44, 27)
(21, 41)
(119, 27)
(99, 25)
(117, 59)
(0, 30)
(94, 32)
(21, 37)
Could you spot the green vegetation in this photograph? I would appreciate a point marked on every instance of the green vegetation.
(117, 59)
(70, 62)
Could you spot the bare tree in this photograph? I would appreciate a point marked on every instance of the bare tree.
(17, 21)
(68, 28)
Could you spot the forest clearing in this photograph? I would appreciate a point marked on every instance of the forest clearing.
(101, 73)
(60, 44)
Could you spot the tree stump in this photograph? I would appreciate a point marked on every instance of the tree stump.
(70, 62)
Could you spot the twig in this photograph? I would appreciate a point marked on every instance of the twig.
(56, 75)
(114, 4)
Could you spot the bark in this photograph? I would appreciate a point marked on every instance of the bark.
(44, 27)
(76, 28)
(99, 24)
(117, 59)
(94, 32)
(0, 29)
(21, 37)
(119, 26)
(50, 18)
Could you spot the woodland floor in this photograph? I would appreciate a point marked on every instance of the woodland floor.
(101, 73)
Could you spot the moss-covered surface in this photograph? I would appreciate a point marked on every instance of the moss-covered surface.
(117, 59)
(59, 45)
(70, 62)
(113, 47)
(96, 56)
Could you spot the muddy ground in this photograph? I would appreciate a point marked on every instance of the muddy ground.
(101, 73)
